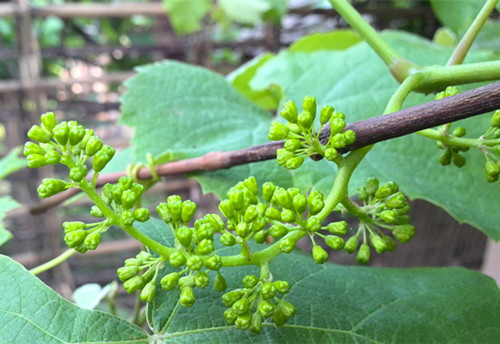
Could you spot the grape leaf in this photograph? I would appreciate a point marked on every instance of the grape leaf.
(457, 15)
(6, 204)
(253, 12)
(334, 40)
(340, 304)
(31, 312)
(11, 163)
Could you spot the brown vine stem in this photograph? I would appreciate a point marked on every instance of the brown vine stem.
(368, 131)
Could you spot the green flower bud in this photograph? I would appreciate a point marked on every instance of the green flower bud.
(403, 233)
(268, 291)
(372, 185)
(363, 255)
(350, 136)
(287, 245)
(227, 208)
(260, 237)
(282, 156)
(186, 281)
(305, 119)
(362, 194)
(127, 272)
(241, 306)
(282, 287)
(213, 262)
(268, 191)
(258, 224)
(177, 259)
(220, 283)
(231, 297)
(278, 231)
(256, 323)
(339, 227)
(288, 216)
(315, 202)
(378, 243)
(459, 132)
(313, 224)
(389, 243)
(445, 158)
(194, 262)
(351, 244)
(227, 239)
(250, 214)
(243, 321)
(336, 127)
(73, 226)
(201, 279)
(230, 315)
(277, 131)
(164, 212)
(148, 292)
(286, 308)
(168, 282)
(397, 200)
(36, 160)
(319, 254)
(331, 154)
(389, 216)
(205, 247)
(38, 134)
(386, 190)
(61, 132)
(250, 281)
(278, 317)
(175, 209)
(142, 214)
(237, 197)
(273, 214)
(33, 148)
(265, 308)
(102, 157)
(128, 199)
(77, 173)
(188, 210)
(289, 111)
(294, 128)
(94, 144)
(48, 121)
(492, 170)
(326, 114)
(458, 160)
(338, 141)
(282, 197)
(186, 299)
(127, 218)
(144, 256)
(309, 105)
(75, 238)
(76, 134)
(335, 242)
(205, 231)
(184, 235)
(242, 229)
(292, 145)
(134, 284)
(133, 262)
(294, 163)
(92, 240)
(50, 187)
(53, 157)
(495, 119)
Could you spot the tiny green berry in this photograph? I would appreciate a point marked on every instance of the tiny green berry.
(459, 132)
(458, 160)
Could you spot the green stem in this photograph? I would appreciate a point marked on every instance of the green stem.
(53, 262)
(400, 67)
(458, 141)
(114, 219)
(353, 209)
(406, 87)
(463, 47)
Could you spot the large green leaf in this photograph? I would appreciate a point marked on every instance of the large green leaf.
(342, 304)
(457, 15)
(31, 312)
(187, 111)
(6, 204)
(253, 12)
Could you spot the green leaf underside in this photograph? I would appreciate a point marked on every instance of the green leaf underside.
(6, 204)
(31, 312)
(355, 82)
(342, 304)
